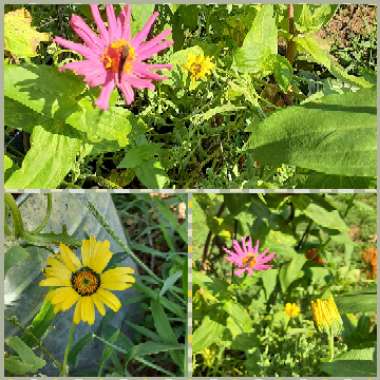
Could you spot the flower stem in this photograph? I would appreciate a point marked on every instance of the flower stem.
(65, 367)
(330, 338)
(16, 215)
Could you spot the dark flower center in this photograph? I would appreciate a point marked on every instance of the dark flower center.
(85, 281)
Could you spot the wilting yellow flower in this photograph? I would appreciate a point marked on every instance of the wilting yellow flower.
(85, 283)
(326, 316)
(292, 310)
(199, 66)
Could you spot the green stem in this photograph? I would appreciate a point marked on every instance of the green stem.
(330, 338)
(124, 246)
(65, 367)
(16, 215)
(47, 216)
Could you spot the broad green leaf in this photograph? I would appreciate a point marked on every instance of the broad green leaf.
(47, 162)
(312, 46)
(324, 218)
(14, 256)
(357, 303)
(292, 271)
(206, 334)
(282, 71)
(335, 136)
(311, 18)
(356, 362)
(20, 38)
(140, 15)
(138, 155)
(26, 361)
(259, 44)
(152, 175)
(106, 131)
(239, 321)
(43, 89)
(9, 167)
(269, 278)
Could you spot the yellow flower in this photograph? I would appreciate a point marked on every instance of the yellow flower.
(292, 310)
(326, 316)
(198, 66)
(85, 283)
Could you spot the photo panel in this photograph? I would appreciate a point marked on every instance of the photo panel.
(284, 285)
(95, 285)
(190, 96)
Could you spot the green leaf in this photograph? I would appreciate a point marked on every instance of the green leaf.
(259, 44)
(20, 38)
(26, 361)
(226, 108)
(47, 162)
(313, 46)
(328, 219)
(151, 348)
(14, 256)
(335, 136)
(206, 334)
(140, 15)
(169, 282)
(77, 348)
(106, 131)
(311, 18)
(138, 155)
(291, 272)
(239, 321)
(353, 363)
(269, 278)
(283, 72)
(358, 303)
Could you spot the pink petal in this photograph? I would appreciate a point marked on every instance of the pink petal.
(86, 34)
(154, 50)
(94, 73)
(99, 23)
(79, 48)
(154, 41)
(244, 244)
(143, 34)
(104, 99)
(262, 259)
(140, 83)
(125, 19)
(239, 272)
(237, 248)
(142, 70)
(127, 92)
(113, 28)
(262, 267)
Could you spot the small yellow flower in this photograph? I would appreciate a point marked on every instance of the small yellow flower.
(85, 283)
(326, 316)
(199, 66)
(292, 310)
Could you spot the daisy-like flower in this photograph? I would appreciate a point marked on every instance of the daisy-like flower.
(85, 283)
(114, 57)
(292, 310)
(248, 258)
(199, 66)
(326, 316)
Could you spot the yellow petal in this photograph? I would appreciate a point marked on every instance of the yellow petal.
(109, 299)
(56, 268)
(116, 286)
(99, 304)
(69, 258)
(54, 281)
(78, 312)
(120, 274)
(87, 310)
(96, 255)
(71, 298)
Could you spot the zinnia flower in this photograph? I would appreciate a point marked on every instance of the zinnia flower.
(114, 57)
(326, 316)
(292, 310)
(247, 258)
(198, 66)
(85, 283)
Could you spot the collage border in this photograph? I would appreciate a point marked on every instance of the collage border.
(190, 192)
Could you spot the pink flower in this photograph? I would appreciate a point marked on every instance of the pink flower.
(113, 57)
(247, 258)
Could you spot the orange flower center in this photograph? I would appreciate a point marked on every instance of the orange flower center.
(85, 281)
(249, 260)
(118, 56)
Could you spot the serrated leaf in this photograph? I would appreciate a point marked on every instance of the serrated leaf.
(20, 38)
(259, 44)
(335, 136)
(310, 18)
